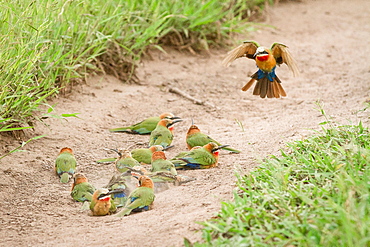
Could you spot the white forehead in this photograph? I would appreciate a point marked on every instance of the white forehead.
(103, 190)
(260, 49)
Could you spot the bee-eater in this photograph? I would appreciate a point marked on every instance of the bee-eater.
(176, 160)
(102, 203)
(163, 133)
(268, 84)
(144, 155)
(146, 126)
(81, 190)
(161, 164)
(141, 199)
(65, 164)
(201, 158)
(122, 182)
(124, 160)
(195, 137)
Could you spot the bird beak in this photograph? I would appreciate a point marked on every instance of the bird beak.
(115, 150)
(168, 147)
(172, 118)
(219, 147)
(115, 191)
(175, 121)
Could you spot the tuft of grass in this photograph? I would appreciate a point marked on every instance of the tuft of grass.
(44, 45)
(317, 193)
(240, 124)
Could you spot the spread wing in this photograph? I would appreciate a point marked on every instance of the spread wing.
(247, 49)
(282, 55)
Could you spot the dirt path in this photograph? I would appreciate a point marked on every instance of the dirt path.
(330, 41)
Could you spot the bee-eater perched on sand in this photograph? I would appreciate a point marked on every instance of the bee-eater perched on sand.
(144, 155)
(124, 182)
(163, 133)
(65, 164)
(141, 199)
(82, 190)
(102, 203)
(194, 137)
(125, 159)
(161, 164)
(146, 126)
(200, 158)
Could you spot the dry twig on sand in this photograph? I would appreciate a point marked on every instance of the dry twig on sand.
(196, 101)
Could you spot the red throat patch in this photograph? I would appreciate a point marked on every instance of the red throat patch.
(263, 57)
(105, 199)
(171, 128)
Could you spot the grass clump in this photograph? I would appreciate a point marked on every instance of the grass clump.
(317, 193)
(46, 44)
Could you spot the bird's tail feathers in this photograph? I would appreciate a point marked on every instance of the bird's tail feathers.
(106, 160)
(122, 129)
(273, 89)
(248, 85)
(125, 211)
(64, 178)
(85, 206)
(280, 89)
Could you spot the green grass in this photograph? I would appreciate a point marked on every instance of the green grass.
(316, 193)
(44, 45)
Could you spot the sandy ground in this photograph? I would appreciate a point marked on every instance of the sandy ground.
(329, 40)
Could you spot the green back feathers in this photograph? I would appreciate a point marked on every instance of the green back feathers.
(162, 165)
(199, 139)
(122, 164)
(197, 159)
(65, 166)
(202, 156)
(161, 136)
(143, 155)
(83, 192)
(139, 198)
(145, 196)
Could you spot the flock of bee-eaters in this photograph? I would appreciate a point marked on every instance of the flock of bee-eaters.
(141, 172)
